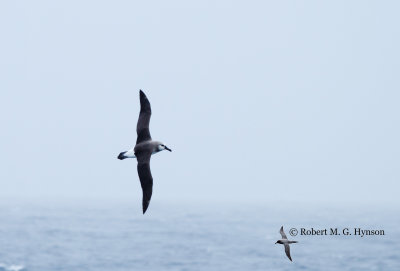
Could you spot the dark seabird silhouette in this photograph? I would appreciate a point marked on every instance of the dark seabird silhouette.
(284, 241)
(143, 150)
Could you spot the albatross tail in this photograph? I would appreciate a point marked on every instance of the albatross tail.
(126, 154)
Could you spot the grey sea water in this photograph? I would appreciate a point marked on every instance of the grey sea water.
(115, 236)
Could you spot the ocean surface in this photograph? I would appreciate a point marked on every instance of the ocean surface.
(116, 236)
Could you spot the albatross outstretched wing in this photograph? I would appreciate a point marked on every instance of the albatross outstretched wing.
(283, 233)
(287, 251)
(146, 180)
(142, 128)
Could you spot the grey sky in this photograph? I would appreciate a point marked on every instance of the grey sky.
(268, 100)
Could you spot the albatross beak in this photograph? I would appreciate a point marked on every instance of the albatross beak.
(168, 149)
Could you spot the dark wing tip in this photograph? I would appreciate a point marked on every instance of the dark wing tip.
(144, 103)
(145, 206)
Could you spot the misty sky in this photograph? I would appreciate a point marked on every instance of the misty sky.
(259, 100)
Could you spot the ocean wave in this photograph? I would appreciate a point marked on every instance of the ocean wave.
(12, 267)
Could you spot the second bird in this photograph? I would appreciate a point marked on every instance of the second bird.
(144, 148)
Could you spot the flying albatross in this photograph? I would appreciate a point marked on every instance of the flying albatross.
(143, 150)
(284, 241)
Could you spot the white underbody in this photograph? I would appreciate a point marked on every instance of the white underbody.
(130, 154)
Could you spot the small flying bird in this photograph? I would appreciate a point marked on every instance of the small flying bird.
(144, 148)
(284, 241)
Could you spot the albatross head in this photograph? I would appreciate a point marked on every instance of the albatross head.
(161, 147)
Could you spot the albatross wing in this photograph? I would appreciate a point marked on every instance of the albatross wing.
(146, 180)
(283, 233)
(287, 251)
(142, 128)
